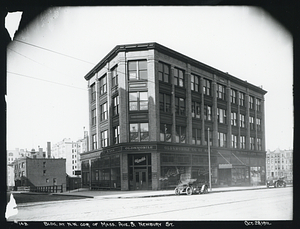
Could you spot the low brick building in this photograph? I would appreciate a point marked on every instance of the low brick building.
(36, 173)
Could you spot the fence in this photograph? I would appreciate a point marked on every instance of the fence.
(48, 189)
(23, 188)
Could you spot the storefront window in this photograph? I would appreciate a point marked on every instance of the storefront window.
(238, 176)
(104, 177)
(115, 178)
(255, 175)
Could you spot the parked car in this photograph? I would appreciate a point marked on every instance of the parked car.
(276, 183)
(191, 187)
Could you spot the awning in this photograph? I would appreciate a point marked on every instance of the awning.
(238, 159)
(224, 158)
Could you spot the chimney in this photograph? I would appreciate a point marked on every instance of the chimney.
(49, 149)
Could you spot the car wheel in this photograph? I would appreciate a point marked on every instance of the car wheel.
(177, 191)
(268, 186)
(189, 191)
(276, 185)
(205, 191)
(284, 184)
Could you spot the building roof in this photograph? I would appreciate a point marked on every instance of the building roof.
(169, 52)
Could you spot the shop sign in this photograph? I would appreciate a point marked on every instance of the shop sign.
(176, 148)
(225, 166)
(149, 147)
(113, 150)
(137, 161)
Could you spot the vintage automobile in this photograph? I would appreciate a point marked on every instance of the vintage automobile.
(276, 183)
(191, 187)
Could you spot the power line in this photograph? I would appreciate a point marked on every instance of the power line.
(48, 81)
(49, 50)
(36, 61)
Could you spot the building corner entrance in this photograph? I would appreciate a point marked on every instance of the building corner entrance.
(141, 181)
(140, 173)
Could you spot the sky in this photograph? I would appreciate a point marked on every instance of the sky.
(47, 97)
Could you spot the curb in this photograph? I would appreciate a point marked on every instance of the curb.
(131, 197)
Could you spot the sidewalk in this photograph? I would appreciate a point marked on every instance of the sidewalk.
(146, 193)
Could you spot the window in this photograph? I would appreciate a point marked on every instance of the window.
(94, 141)
(139, 132)
(221, 115)
(220, 91)
(195, 110)
(233, 119)
(180, 134)
(94, 117)
(222, 141)
(114, 76)
(242, 121)
(138, 101)
(44, 164)
(259, 145)
(251, 102)
(252, 143)
(104, 139)
(44, 172)
(251, 122)
(116, 134)
(258, 104)
(242, 98)
(115, 106)
(206, 87)
(164, 102)
(23, 164)
(178, 77)
(207, 112)
(258, 124)
(103, 111)
(234, 141)
(93, 92)
(195, 83)
(196, 136)
(233, 96)
(163, 72)
(165, 132)
(103, 85)
(242, 142)
(179, 106)
(137, 70)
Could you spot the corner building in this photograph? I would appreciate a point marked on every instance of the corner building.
(151, 112)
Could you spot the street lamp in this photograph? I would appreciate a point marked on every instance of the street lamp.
(209, 166)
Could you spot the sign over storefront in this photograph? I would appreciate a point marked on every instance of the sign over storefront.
(225, 166)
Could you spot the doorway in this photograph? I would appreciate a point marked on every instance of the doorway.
(141, 179)
(224, 177)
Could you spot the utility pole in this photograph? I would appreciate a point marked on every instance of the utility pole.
(209, 166)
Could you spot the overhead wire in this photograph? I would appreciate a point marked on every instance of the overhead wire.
(36, 46)
(44, 66)
(36, 61)
(49, 81)
(49, 50)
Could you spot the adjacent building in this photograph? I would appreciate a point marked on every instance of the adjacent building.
(71, 150)
(280, 164)
(153, 112)
(11, 156)
(35, 173)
